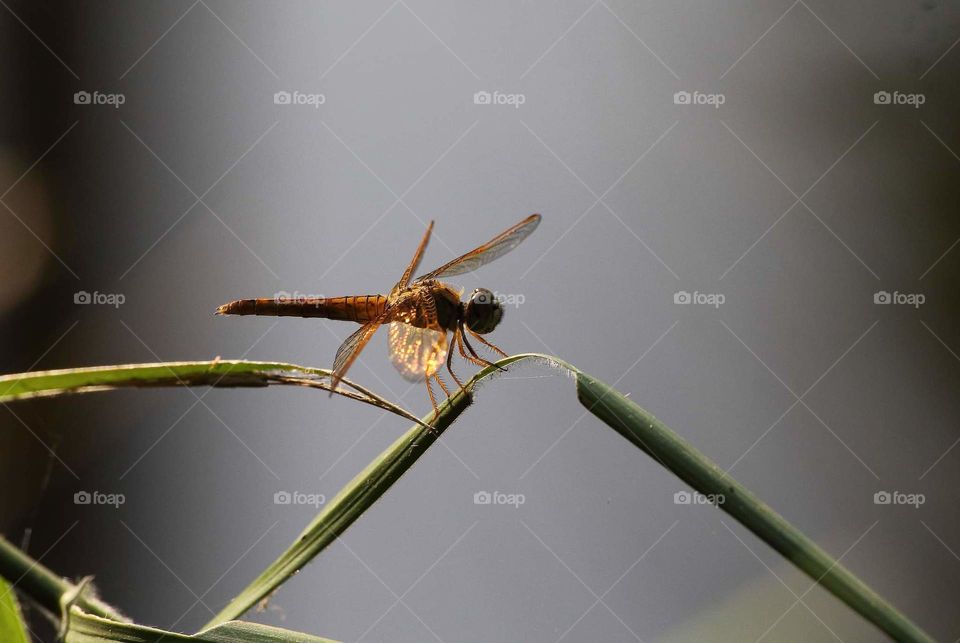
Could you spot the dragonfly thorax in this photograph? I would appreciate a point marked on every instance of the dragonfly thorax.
(480, 313)
(448, 305)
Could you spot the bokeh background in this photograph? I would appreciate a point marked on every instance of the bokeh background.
(784, 188)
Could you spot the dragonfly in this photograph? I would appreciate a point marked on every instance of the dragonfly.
(420, 312)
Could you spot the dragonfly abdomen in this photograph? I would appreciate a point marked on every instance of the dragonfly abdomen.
(361, 308)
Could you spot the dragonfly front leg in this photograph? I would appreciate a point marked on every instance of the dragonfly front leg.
(463, 353)
(487, 344)
(456, 379)
(477, 359)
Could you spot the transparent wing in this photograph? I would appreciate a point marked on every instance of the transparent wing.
(418, 345)
(493, 249)
(416, 352)
(351, 347)
(415, 262)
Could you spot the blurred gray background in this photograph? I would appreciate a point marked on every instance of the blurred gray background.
(795, 201)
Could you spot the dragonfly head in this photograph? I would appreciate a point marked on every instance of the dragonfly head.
(483, 312)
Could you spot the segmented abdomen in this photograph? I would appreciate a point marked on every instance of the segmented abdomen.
(360, 308)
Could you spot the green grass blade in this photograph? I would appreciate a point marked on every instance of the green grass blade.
(650, 435)
(87, 628)
(218, 373)
(98, 378)
(607, 404)
(643, 431)
(90, 619)
(12, 628)
(44, 587)
(348, 505)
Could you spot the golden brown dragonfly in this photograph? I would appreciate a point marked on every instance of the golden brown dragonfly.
(420, 313)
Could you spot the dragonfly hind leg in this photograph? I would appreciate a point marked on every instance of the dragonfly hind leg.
(442, 384)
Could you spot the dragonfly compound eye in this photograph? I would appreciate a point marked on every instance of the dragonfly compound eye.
(484, 312)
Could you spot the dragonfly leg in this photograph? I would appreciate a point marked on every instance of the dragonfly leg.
(450, 366)
(433, 400)
(474, 353)
(463, 352)
(487, 344)
(443, 386)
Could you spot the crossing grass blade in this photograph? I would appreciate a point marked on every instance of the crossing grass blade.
(653, 437)
(348, 505)
(87, 628)
(642, 430)
(84, 618)
(217, 373)
(45, 588)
